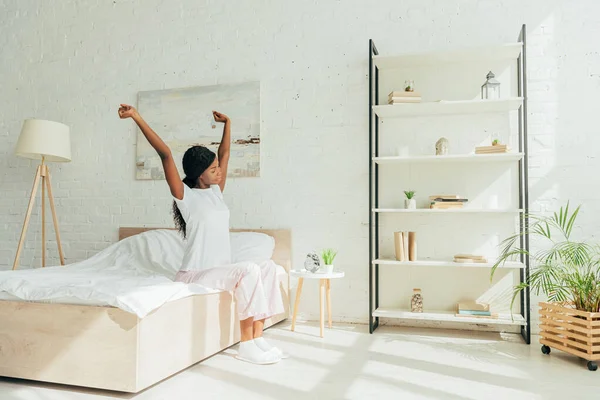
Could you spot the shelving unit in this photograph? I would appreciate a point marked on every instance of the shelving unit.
(449, 211)
(448, 108)
(460, 158)
(446, 264)
(446, 316)
(511, 52)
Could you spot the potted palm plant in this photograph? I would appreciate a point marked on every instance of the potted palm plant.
(567, 272)
(328, 255)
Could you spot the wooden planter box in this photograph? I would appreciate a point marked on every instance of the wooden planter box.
(572, 331)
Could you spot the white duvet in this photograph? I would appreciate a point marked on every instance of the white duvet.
(135, 275)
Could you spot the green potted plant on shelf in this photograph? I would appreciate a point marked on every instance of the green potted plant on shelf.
(567, 272)
(328, 255)
(410, 203)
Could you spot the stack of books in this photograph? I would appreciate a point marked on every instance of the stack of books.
(473, 309)
(469, 258)
(447, 201)
(499, 148)
(404, 97)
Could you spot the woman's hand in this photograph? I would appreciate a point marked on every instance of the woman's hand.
(220, 117)
(127, 111)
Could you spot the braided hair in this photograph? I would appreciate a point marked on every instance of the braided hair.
(196, 160)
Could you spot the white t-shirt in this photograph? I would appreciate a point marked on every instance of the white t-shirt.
(207, 228)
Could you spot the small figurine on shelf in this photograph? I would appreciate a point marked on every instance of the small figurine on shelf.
(410, 203)
(409, 86)
(416, 302)
(441, 147)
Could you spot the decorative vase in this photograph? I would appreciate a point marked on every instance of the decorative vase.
(416, 302)
(410, 204)
(329, 269)
(399, 246)
(412, 246)
(441, 147)
(312, 263)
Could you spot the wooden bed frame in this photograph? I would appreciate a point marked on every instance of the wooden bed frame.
(108, 348)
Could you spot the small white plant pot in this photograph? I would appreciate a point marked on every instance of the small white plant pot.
(329, 269)
(410, 204)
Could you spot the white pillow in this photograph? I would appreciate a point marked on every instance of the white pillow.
(251, 246)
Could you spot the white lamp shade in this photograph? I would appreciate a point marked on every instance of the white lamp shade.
(48, 139)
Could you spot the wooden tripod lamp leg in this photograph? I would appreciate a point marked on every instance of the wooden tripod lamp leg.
(54, 218)
(43, 199)
(36, 182)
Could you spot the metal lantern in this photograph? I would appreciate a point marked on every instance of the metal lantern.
(490, 90)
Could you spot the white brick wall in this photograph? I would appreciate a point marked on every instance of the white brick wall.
(75, 61)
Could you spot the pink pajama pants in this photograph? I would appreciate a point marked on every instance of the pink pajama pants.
(255, 286)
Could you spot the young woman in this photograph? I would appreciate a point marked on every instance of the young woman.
(202, 217)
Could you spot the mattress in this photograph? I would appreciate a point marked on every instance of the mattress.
(191, 289)
(135, 275)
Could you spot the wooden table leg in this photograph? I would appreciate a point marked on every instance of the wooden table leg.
(322, 304)
(329, 301)
(297, 302)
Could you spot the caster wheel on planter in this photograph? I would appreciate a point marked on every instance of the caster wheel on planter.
(545, 349)
(592, 366)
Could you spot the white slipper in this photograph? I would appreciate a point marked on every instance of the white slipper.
(251, 353)
(265, 346)
(280, 353)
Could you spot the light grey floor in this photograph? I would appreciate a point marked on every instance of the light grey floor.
(349, 363)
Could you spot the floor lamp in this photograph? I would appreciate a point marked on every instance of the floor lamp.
(45, 141)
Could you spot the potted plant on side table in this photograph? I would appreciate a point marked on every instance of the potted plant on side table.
(328, 255)
(568, 273)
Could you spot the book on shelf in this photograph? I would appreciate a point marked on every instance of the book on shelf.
(444, 202)
(473, 309)
(401, 93)
(499, 148)
(473, 313)
(445, 205)
(490, 316)
(470, 258)
(445, 197)
(473, 306)
(404, 97)
(410, 100)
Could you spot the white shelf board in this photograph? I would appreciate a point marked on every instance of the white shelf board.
(448, 211)
(453, 158)
(447, 264)
(509, 51)
(445, 107)
(448, 316)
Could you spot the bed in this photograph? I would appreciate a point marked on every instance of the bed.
(108, 348)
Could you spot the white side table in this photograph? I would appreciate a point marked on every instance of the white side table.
(324, 283)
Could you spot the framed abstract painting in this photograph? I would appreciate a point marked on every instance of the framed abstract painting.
(183, 118)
